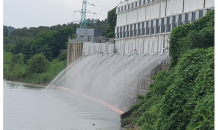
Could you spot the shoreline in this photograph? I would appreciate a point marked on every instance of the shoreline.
(22, 83)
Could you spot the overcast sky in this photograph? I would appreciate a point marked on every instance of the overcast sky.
(34, 13)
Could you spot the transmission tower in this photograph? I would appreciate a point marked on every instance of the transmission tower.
(83, 12)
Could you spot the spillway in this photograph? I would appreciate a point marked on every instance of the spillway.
(114, 79)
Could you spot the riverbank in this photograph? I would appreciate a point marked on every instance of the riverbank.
(15, 69)
(21, 83)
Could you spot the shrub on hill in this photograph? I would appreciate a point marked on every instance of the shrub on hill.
(199, 34)
(183, 98)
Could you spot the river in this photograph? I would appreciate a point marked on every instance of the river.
(27, 107)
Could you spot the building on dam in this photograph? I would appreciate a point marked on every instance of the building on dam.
(145, 25)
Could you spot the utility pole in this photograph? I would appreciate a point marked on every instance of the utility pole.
(83, 12)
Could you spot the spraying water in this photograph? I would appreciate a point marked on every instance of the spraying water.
(114, 79)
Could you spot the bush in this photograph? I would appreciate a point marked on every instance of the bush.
(38, 64)
(180, 100)
(183, 98)
(199, 34)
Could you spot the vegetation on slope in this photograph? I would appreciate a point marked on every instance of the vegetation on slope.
(25, 49)
(183, 98)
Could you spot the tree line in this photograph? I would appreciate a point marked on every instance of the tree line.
(31, 47)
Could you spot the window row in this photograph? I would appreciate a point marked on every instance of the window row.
(161, 25)
(133, 5)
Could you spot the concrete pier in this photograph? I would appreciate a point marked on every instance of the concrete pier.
(74, 52)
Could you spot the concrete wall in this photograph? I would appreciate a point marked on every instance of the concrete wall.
(144, 83)
(94, 48)
(74, 52)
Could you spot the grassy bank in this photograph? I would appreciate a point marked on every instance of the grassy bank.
(16, 70)
(183, 97)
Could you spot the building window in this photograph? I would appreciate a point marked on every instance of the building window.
(145, 28)
(126, 31)
(140, 3)
(186, 18)
(176, 20)
(131, 27)
(165, 25)
(183, 19)
(149, 27)
(196, 15)
(204, 12)
(128, 6)
(136, 4)
(155, 26)
(193, 17)
(168, 23)
(132, 5)
(115, 33)
(148, 1)
(170, 27)
(119, 9)
(137, 29)
(140, 29)
(144, 2)
(133, 30)
(200, 13)
(189, 18)
(129, 33)
(124, 28)
(160, 26)
(118, 31)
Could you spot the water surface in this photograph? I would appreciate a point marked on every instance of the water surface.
(35, 108)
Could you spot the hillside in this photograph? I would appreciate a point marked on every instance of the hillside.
(183, 97)
(10, 29)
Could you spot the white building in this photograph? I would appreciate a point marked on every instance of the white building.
(145, 25)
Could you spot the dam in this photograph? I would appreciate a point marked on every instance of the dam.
(117, 72)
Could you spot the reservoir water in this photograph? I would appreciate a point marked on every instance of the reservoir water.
(27, 107)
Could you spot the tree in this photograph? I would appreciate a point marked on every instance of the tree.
(112, 18)
(38, 64)
(46, 51)
(5, 32)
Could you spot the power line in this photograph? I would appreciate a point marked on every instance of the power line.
(97, 1)
(108, 6)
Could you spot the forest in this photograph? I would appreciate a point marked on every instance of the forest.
(33, 55)
(183, 97)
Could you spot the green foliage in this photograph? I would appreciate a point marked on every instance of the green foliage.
(199, 34)
(38, 64)
(15, 69)
(5, 32)
(112, 18)
(109, 32)
(10, 29)
(183, 98)
(178, 103)
(63, 56)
